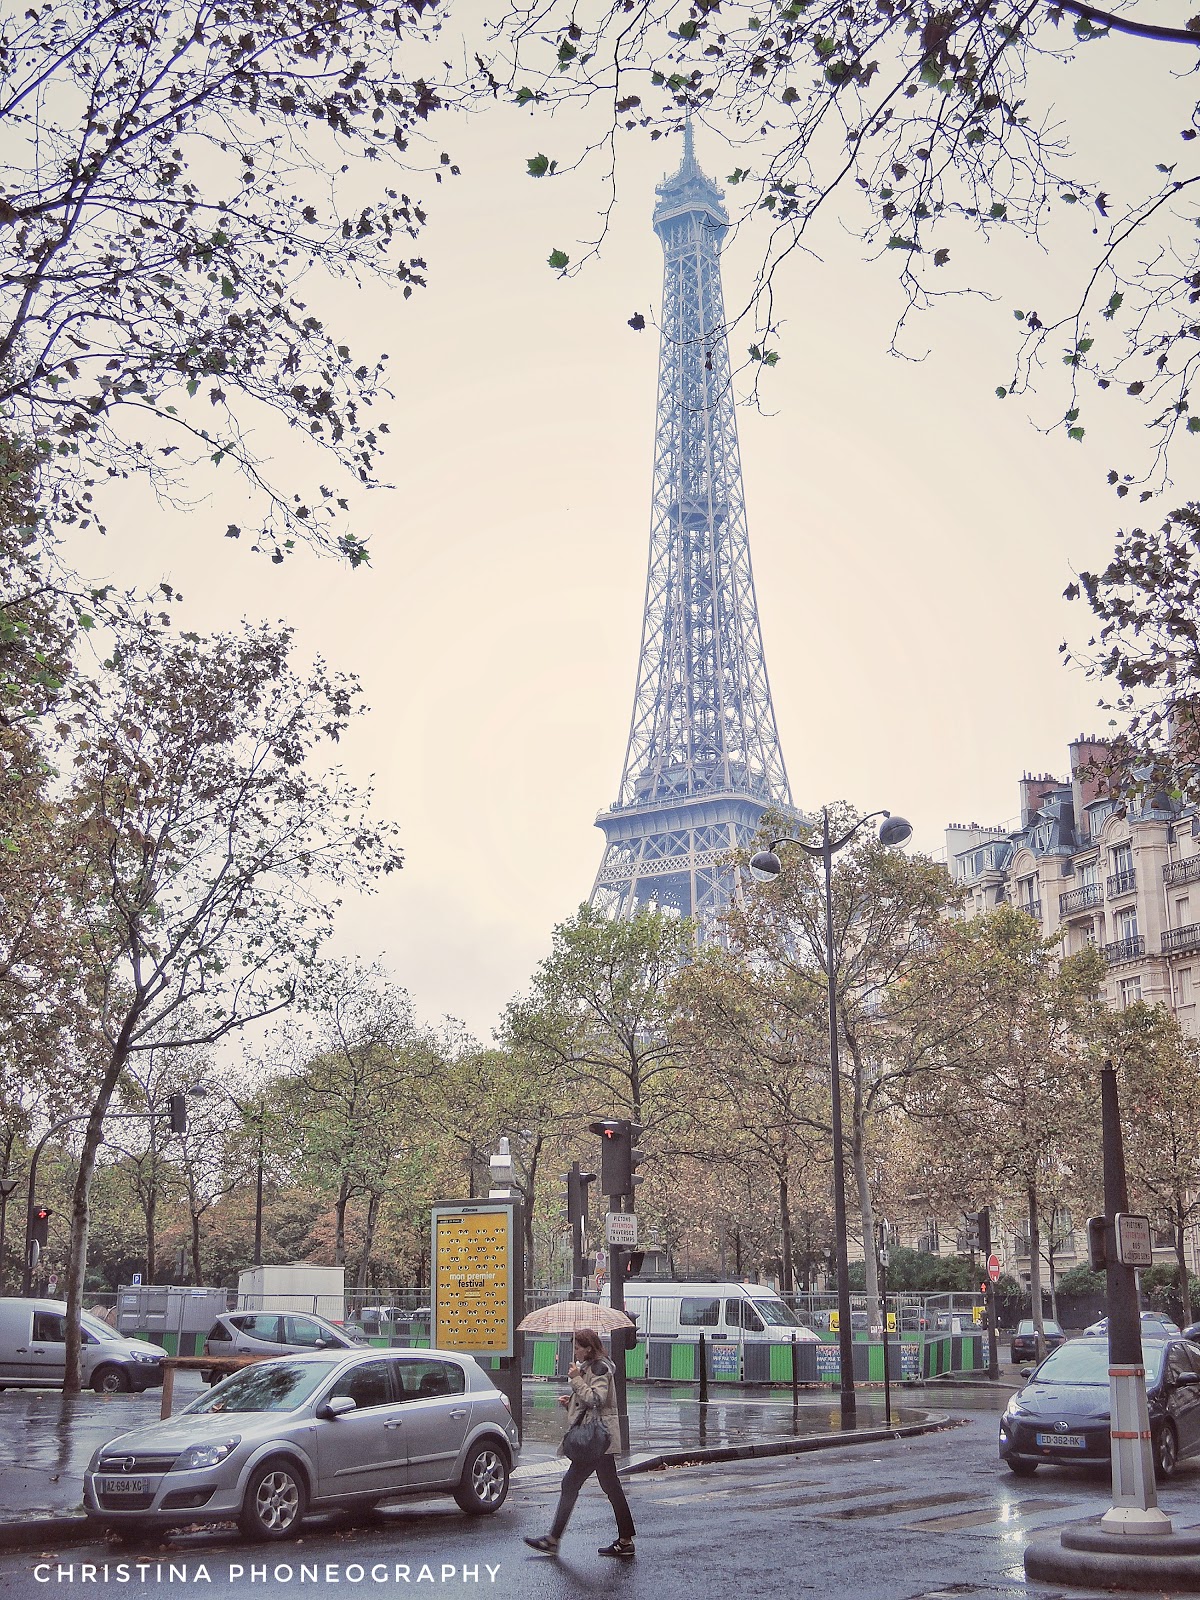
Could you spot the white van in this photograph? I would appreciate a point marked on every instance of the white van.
(726, 1311)
(33, 1351)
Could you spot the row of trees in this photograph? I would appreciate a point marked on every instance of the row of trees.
(969, 1078)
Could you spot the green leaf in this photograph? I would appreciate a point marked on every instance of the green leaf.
(540, 166)
(193, 385)
(1001, 392)
(689, 29)
(1075, 433)
(1193, 424)
(1114, 305)
(897, 243)
(1073, 414)
(228, 291)
(558, 259)
(940, 257)
(737, 175)
(528, 96)
(999, 211)
(1084, 346)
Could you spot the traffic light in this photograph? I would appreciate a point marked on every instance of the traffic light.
(985, 1231)
(633, 1262)
(40, 1232)
(1097, 1235)
(972, 1231)
(577, 1194)
(618, 1158)
(179, 1113)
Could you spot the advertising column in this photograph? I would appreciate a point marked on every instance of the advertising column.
(479, 1285)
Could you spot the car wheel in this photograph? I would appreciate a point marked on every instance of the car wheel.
(274, 1503)
(110, 1380)
(483, 1487)
(1166, 1452)
(1021, 1467)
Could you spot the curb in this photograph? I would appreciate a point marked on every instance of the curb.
(70, 1529)
(786, 1447)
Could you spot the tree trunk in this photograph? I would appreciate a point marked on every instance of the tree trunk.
(785, 1231)
(343, 1200)
(151, 1207)
(368, 1245)
(866, 1211)
(80, 1215)
(1185, 1287)
(1035, 1268)
(196, 1278)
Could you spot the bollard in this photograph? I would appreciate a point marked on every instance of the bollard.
(701, 1356)
(795, 1372)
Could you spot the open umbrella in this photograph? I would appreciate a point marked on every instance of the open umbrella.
(565, 1316)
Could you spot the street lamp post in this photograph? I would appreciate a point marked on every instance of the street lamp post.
(7, 1185)
(766, 866)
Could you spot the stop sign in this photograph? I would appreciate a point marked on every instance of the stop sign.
(993, 1268)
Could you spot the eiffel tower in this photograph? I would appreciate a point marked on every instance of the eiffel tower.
(703, 761)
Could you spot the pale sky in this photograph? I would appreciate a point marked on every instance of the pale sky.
(911, 537)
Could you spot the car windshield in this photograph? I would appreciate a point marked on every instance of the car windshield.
(1086, 1361)
(98, 1329)
(774, 1312)
(270, 1386)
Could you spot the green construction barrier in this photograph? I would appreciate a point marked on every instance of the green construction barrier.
(635, 1361)
(683, 1363)
(781, 1363)
(545, 1358)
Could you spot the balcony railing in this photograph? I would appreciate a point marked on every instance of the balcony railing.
(1186, 871)
(1090, 894)
(1187, 938)
(1125, 949)
(1032, 907)
(1122, 883)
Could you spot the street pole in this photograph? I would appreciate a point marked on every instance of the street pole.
(840, 1242)
(1135, 1500)
(7, 1185)
(258, 1195)
(884, 1259)
(617, 1341)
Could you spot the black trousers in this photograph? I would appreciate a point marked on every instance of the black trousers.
(606, 1476)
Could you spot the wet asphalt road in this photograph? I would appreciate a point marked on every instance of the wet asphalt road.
(928, 1518)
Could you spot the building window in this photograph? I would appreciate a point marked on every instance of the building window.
(1183, 986)
(1125, 923)
(1182, 915)
(1130, 990)
(1088, 871)
(1122, 858)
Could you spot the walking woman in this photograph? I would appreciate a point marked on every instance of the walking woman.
(593, 1386)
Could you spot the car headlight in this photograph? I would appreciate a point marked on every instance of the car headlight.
(153, 1358)
(1014, 1408)
(206, 1455)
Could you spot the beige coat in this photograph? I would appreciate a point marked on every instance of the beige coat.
(595, 1385)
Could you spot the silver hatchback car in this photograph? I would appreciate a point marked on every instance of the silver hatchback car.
(316, 1432)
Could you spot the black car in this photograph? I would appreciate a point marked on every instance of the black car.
(1024, 1341)
(1062, 1413)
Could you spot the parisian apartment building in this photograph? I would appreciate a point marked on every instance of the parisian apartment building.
(1124, 877)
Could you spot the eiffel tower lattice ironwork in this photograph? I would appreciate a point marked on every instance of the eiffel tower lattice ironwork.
(703, 761)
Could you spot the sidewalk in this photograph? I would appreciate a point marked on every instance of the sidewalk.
(49, 1438)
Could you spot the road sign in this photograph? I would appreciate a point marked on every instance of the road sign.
(136, 1280)
(52, 1283)
(1134, 1246)
(993, 1268)
(620, 1227)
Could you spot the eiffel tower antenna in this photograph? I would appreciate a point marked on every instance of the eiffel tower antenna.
(703, 761)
